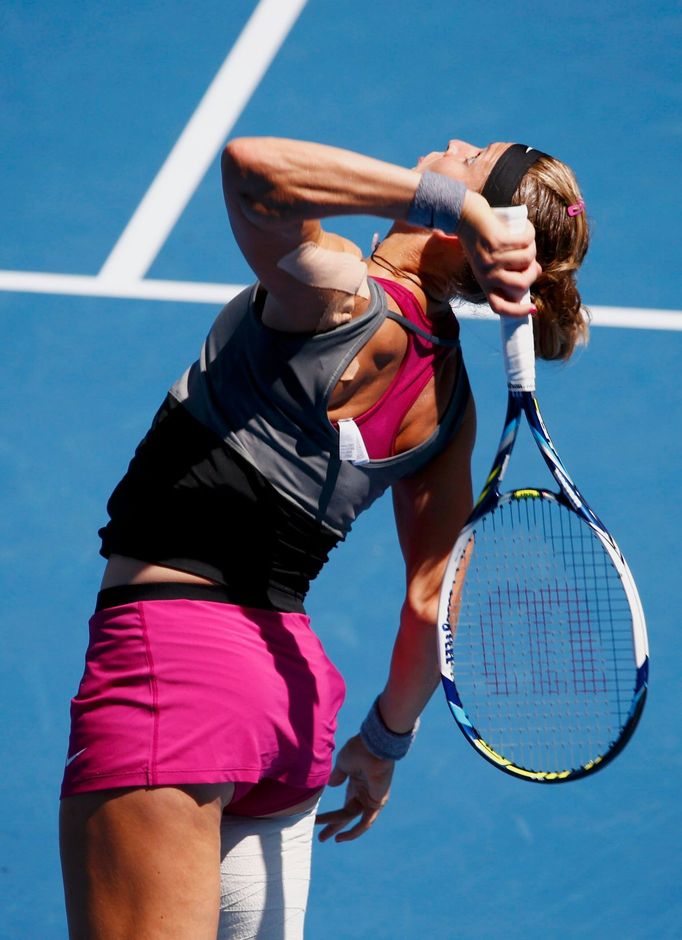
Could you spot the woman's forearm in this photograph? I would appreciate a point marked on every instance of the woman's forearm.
(414, 671)
(282, 180)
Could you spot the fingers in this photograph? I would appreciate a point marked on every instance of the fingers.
(360, 828)
(508, 292)
(515, 249)
(369, 785)
(514, 259)
(507, 308)
(502, 259)
(506, 287)
(337, 820)
(514, 285)
(504, 239)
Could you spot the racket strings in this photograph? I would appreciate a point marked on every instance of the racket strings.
(543, 658)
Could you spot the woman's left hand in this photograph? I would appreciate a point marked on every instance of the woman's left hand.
(367, 792)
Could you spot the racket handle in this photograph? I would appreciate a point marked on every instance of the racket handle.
(517, 332)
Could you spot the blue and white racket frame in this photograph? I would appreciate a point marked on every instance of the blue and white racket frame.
(517, 340)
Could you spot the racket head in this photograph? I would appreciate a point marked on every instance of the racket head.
(542, 639)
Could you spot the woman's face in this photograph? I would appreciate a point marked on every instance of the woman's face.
(463, 161)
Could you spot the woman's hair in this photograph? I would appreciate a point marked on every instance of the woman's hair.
(548, 189)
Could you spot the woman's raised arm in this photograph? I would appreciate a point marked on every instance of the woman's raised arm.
(277, 190)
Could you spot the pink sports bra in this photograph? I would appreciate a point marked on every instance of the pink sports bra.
(380, 424)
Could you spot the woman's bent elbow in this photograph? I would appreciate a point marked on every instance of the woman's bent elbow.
(235, 161)
(248, 182)
(420, 609)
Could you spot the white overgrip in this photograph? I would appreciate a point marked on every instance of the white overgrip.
(517, 332)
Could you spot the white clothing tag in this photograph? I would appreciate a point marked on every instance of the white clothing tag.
(351, 445)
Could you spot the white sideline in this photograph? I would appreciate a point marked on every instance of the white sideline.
(200, 141)
(36, 282)
(84, 285)
(632, 318)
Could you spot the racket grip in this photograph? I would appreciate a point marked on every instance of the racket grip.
(517, 332)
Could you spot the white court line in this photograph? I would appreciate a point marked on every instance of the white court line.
(197, 146)
(632, 318)
(35, 282)
(86, 285)
(637, 317)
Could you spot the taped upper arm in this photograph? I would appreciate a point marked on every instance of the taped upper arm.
(313, 277)
(338, 270)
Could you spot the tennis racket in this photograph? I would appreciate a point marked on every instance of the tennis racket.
(542, 639)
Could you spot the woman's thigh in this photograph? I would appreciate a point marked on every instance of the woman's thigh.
(143, 862)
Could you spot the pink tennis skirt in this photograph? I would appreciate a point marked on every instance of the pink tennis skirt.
(189, 691)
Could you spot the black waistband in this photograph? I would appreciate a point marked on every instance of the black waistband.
(167, 591)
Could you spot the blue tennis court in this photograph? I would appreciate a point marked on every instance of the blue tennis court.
(115, 256)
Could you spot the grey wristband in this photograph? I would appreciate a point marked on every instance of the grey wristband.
(437, 203)
(380, 740)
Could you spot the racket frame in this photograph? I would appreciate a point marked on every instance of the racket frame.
(519, 363)
(522, 403)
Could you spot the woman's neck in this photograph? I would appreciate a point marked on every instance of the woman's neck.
(423, 264)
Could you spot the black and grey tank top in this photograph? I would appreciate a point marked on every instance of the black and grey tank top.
(266, 394)
(239, 478)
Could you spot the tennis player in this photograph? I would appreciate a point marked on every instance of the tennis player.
(203, 728)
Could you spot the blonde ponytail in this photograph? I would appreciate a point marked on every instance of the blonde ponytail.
(549, 188)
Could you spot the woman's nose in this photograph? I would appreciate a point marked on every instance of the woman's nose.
(461, 148)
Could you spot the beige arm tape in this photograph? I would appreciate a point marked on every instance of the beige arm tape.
(332, 270)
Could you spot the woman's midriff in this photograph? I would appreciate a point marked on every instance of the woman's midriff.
(122, 570)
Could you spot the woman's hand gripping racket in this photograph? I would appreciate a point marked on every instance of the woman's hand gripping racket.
(542, 640)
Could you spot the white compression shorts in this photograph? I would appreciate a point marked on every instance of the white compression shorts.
(264, 876)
